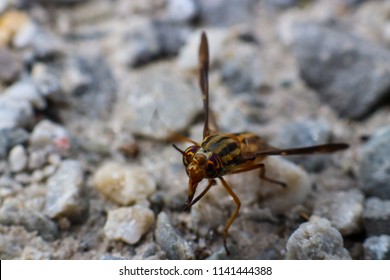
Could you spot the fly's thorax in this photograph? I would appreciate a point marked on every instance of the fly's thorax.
(226, 146)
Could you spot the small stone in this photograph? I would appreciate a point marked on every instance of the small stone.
(46, 81)
(374, 168)
(9, 187)
(175, 246)
(10, 138)
(26, 90)
(31, 253)
(64, 192)
(344, 209)
(227, 13)
(377, 248)
(88, 82)
(128, 224)
(48, 170)
(377, 216)
(151, 115)
(23, 178)
(37, 159)
(283, 4)
(124, 184)
(54, 159)
(11, 22)
(12, 213)
(316, 240)
(10, 66)
(149, 40)
(335, 64)
(49, 136)
(182, 10)
(37, 176)
(241, 69)
(15, 113)
(43, 43)
(18, 158)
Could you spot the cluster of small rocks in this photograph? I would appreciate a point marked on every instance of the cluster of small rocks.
(93, 94)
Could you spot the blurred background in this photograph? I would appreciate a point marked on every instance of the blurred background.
(93, 92)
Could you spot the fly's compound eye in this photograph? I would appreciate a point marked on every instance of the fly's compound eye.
(213, 166)
(189, 154)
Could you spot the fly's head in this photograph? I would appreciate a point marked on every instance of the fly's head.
(200, 164)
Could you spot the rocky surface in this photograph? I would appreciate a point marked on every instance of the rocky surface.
(316, 240)
(94, 93)
(375, 164)
(377, 248)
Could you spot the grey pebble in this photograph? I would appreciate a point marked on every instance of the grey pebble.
(226, 13)
(12, 214)
(64, 196)
(377, 216)
(305, 133)
(148, 40)
(335, 64)
(37, 159)
(42, 42)
(241, 70)
(18, 158)
(344, 209)
(175, 246)
(15, 112)
(283, 4)
(46, 80)
(26, 90)
(374, 169)
(10, 65)
(153, 115)
(182, 11)
(87, 82)
(10, 138)
(377, 248)
(50, 137)
(316, 240)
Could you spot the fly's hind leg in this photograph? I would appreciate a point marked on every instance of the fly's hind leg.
(261, 167)
(265, 178)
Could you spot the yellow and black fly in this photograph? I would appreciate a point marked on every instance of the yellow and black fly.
(221, 153)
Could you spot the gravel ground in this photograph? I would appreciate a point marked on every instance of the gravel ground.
(93, 92)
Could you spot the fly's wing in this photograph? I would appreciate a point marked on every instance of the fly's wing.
(204, 84)
(319, 149)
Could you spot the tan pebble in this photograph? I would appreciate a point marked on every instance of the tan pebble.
(124, 185)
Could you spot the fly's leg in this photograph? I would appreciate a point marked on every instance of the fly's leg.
(265, 178)
(260, 166)
(234, 215)
(211, 183)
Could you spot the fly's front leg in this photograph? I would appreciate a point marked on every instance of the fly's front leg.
(211, 183)
(234, 215)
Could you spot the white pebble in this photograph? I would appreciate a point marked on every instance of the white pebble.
(128, 224)
(316, 240)
(18, 158)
